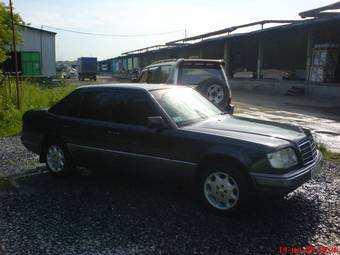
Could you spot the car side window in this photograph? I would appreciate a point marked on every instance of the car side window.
(154, 75)
(144, 76)
(132, 107)
(165, 74)
(68, 106)
(96, 105)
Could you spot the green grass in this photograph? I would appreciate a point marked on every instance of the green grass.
(33, 96)
(328, 155)
(4, 183)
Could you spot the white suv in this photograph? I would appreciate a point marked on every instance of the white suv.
(206, 76)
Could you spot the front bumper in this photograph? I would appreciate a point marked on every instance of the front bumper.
(289, 181)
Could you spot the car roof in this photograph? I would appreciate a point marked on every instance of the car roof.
(140, 86)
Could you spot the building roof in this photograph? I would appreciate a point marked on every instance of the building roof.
(141, 86)
(37, 29)
(301, 24)
(324, 11)
(231, 29)
(294, 25)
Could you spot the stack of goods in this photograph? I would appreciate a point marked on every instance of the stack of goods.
(324, 63)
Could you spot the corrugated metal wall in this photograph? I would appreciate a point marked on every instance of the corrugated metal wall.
(43, 42)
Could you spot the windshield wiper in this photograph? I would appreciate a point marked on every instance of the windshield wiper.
(202, 115)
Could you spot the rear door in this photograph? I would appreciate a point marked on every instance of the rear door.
(91, 127)
(82, 125)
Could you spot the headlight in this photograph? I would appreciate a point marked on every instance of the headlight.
(283, 158)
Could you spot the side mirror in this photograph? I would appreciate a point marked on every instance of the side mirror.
(156, 122)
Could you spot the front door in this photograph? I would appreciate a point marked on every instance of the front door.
(130, 143)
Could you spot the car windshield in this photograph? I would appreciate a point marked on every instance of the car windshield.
(185, 106)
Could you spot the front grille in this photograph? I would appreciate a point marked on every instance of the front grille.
(308, 150)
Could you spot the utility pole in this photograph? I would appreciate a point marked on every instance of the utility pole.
(185, 33)
(15, 55)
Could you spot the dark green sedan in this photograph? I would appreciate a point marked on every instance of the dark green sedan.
(164, 127)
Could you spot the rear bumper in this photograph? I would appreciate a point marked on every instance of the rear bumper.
(289, 181)
(230, 109)
(32, 142)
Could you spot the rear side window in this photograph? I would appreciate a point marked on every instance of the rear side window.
(96, 105)
(165, 74)
(68, 106)
(117, 105)
(154, 75)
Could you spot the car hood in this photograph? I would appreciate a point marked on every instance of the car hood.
(240, 127)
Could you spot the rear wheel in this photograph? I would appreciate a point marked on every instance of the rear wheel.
(223, 188)
(58, 160)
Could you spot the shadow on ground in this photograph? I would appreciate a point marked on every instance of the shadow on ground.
(128, 214)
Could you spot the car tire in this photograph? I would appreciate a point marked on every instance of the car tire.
(223, 188)
(215, 91)
(58, 160)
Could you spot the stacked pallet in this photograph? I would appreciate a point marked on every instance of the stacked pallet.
(324, 63)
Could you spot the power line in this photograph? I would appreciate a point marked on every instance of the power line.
(114, 35)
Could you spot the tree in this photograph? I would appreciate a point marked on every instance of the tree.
(6, 31)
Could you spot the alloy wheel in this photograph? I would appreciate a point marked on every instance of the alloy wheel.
(55, 158)
(221, 190)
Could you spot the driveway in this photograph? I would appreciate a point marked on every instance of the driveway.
(122, 214)
(321, 116)
(144, 213)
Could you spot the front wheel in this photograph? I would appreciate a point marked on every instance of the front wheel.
(223, 189)
(58, 160)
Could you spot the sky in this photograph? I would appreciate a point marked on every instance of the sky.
(130, 17)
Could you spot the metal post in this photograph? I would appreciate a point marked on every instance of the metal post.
(201, 52)
(9, 84)
(259, 58)
(309, 55)
(41, 50)
(15, 55)
(227, 57)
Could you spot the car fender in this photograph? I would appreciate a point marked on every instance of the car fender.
(228, 153)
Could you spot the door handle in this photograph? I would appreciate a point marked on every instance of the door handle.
(111, 132)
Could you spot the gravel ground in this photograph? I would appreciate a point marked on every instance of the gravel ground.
(128, 214)
(14, 158)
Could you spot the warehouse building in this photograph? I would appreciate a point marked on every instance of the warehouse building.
(36, 55)
(105, 66)
(302, 52)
